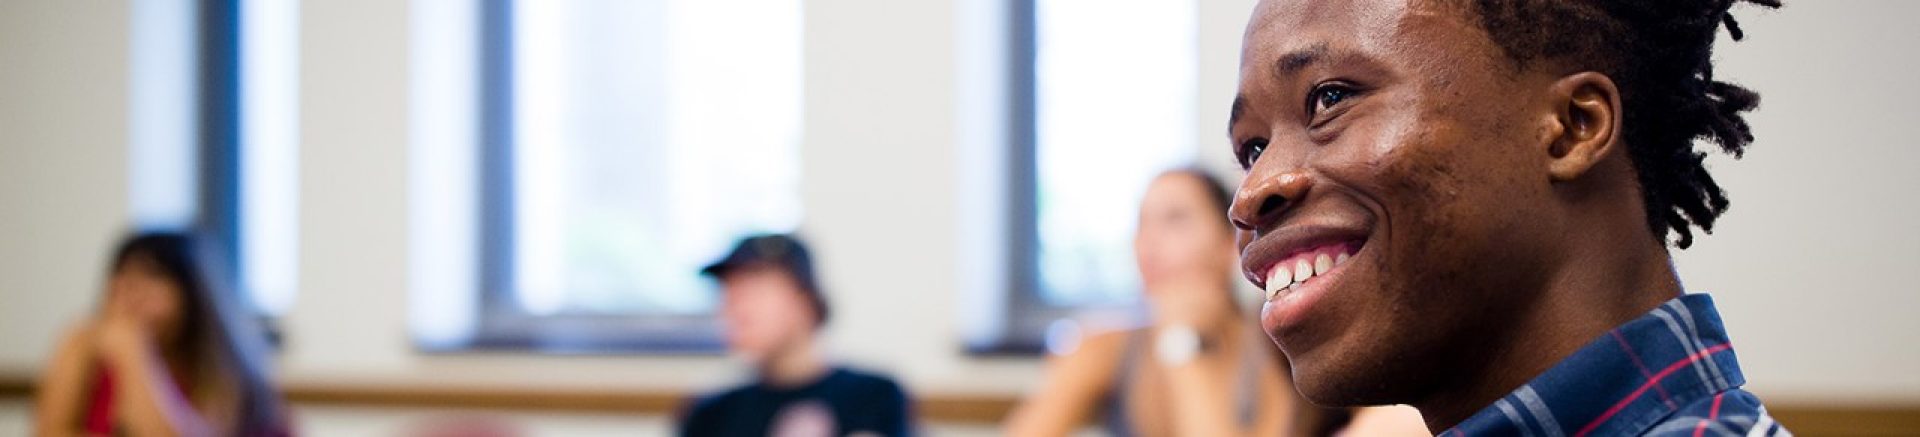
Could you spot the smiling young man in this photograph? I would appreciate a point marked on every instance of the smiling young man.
(1465, 205)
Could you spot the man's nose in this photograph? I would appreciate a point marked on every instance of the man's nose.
(1264, 198)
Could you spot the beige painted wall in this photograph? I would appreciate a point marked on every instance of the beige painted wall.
(1813, 265)
(63, 169)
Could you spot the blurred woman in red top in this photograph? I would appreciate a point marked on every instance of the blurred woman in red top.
(166, 353)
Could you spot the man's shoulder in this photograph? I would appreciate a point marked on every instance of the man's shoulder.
(717, 400)
(866, 381)
(1734, 412)
(869, 401)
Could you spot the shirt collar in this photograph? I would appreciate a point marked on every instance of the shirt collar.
(1624, 381)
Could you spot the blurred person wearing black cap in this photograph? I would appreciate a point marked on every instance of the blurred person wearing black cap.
(773, 308)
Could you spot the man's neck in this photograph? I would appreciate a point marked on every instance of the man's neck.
(794, 366)
(1597, 291)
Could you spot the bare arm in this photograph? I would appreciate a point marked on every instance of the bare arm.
(63, 385)
(1203, 392)
(1202, 397)
(1072, 389)
(146, 401)
(1396, 420)
(1280, 403)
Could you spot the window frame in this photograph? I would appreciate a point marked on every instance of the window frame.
(1029, 319)
(501, 323)
(217, 151)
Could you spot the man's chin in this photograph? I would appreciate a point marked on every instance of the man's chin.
(1333, 384)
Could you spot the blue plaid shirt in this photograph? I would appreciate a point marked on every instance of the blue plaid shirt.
(1670, 372)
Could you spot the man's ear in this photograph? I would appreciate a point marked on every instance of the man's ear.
(1587, 107)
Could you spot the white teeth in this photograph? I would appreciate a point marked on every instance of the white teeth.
(1285, 276)
(1278, 280)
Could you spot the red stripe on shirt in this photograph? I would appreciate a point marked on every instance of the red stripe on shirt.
(1713, 413)
(1643, 367)
(1651, 382)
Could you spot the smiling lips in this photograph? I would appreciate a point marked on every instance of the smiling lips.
(1295, 270)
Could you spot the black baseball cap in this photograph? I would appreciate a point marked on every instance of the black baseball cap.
(774, 250)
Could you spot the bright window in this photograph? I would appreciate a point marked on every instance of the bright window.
(1101, 100)
(617, 147)
(1114, 103)
(214, 134)
(648, 136)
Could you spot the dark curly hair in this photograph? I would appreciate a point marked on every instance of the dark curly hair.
(1660, 53)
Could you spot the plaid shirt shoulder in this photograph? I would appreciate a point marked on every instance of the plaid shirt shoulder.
(1670, 372)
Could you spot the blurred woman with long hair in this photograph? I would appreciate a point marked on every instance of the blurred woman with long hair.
(167, 352)
(1201, 367)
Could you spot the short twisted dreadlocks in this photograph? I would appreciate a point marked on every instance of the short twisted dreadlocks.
(1660, 54)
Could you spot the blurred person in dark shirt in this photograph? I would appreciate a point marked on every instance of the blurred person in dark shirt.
(773, 308)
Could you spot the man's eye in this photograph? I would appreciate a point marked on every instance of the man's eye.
(1325, 97)
(1250, 152)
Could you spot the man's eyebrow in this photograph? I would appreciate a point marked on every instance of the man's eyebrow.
(1287, 66)
(1292, 62)
(1233, 115)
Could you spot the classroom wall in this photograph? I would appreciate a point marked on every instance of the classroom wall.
(1811, 267)
(63, 169)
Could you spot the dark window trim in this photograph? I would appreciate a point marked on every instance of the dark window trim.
(1023, 275)
(220, 119)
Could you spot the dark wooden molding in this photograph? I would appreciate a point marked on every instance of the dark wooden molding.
(1820, 420)
(948, 408)
(970, 409)
(515, 398)
(14, 386)
(1804, 419)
